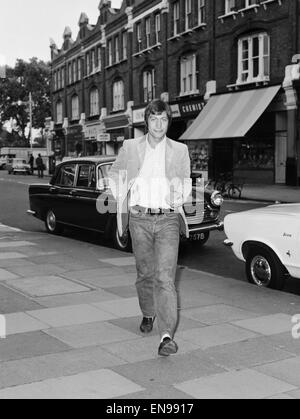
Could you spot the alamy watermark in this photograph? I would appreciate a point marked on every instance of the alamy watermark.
(296, 327)
(2, 327)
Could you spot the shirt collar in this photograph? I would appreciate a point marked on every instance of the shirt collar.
(159, 145)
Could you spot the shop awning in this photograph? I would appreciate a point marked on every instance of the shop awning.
(230, 115)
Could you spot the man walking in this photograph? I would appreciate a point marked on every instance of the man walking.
(40, 166)
(151, 181)
(31, 163)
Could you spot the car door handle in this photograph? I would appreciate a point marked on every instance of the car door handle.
(72, 193)
(53, 190)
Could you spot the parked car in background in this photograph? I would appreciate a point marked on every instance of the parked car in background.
(80, 186)
(268, 240)
(15, 166)
(4, 160)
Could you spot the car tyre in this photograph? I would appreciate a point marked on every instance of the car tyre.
(52, 226)
(124, 244)
(264, 269)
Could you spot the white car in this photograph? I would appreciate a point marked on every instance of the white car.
(268, 240)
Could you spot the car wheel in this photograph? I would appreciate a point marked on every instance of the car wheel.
(52, 226)
(264, 269)
(121, 243)
(234, 192)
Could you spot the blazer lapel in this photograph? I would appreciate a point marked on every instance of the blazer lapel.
(141, 152)
(169, 159)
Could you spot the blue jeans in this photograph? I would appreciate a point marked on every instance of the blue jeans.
(155, 242)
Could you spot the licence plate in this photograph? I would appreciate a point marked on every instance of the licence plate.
(198, 236)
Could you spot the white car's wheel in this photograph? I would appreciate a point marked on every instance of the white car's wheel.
(52, 226)
(264, 269)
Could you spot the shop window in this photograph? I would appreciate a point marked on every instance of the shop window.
(254, 155)
(199, 156)
(253, 58)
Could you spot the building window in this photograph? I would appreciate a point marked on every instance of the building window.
(157, 28)
(79, 69)
(62, 75)
(118, 96)
(188, 75)
(230, 6)
(99, 58)
(148, 32)
(188, 14)
(248, 3)
(253, 58)
(201, 12)
(176, 9)
(117, 53)
(93, 61)
(124, 45)
(70, 73)
(149, 85)
(88, 64)
(109, 46)
(75, 108)
(59, 112)
(94, 102)
(74, 71)
(58, 80)
(139, 36)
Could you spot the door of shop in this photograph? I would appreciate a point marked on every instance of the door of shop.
(280, 158)
(222, 161)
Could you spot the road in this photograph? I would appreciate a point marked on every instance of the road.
(214, 257)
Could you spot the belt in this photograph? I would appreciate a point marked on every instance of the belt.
(153, 211)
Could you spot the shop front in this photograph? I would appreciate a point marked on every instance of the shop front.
(118, 128)
(92, 145)
(58, 142)
(74, 143)
(245, 135)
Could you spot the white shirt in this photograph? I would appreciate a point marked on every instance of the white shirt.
(151, 187)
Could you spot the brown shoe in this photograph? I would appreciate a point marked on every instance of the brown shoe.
(167, 347)
(147, 324)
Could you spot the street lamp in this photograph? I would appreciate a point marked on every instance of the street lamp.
(30, 104)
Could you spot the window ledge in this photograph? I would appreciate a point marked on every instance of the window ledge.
(147, 50)
(239, 85)
(228, 15)
(191, 93)
(267, 2)
(254, 7)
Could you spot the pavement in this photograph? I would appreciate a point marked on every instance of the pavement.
(271, 193)
(71, 319)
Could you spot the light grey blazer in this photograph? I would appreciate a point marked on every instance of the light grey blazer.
(128, 165)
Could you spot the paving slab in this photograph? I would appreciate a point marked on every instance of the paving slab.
(210, 336)
(123, 307)
(45, 286)
(17, 323)
(101, 384)
(12, 301)
(124, 261)
(144, 348)
(75, 299)
(287, 370)
(168, 370)
(71, 315)
(286, 342)
(9, 244)
(218, 313)
(191, 298)
(246, 384)
(92, 334)
(159, 392)
(54, 365)
(37, 270)
(12, 255)
(128, 291)
(5, 275)
(28, 345)
(267, 325)
(247, 354)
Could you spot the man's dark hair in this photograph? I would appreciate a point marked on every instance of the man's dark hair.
(157, 107)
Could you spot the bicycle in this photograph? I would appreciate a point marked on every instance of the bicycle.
(228, 186)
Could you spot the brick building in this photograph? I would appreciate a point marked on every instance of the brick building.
(228, 68)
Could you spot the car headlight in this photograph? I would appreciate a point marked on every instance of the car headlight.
(216, 199)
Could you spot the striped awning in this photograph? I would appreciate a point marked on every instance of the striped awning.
(230, 115)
